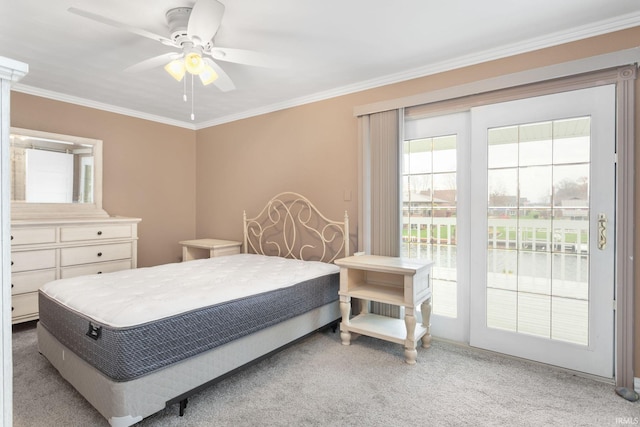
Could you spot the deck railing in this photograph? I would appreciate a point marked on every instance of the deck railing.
(565, 235)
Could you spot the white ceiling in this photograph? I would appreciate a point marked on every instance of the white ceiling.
(333, 47)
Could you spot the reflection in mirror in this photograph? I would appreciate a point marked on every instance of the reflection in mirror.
(55, 175)
(48, 170)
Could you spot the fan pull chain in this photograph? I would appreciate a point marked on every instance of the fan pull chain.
(193, 116)
(184, 92)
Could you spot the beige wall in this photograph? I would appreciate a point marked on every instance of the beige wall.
(148, 169)
(311, 149)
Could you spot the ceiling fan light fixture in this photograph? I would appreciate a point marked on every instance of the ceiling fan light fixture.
(208, 75)
(194, 63)
(176, 69)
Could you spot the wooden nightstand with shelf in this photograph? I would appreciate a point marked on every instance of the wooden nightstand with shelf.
(399, 281)
(208, 248)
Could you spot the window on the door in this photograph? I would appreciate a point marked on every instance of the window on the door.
(538, 229)
(429, 212)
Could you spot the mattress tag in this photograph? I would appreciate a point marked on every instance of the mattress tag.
(94, 331)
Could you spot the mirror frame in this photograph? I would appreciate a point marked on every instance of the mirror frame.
(22, 210)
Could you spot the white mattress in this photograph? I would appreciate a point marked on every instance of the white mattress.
(133, 297)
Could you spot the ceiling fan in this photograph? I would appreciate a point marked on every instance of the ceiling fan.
(192, 30)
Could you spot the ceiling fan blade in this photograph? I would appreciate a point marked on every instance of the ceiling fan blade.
(205, 19)
(247, 57)
(122, 26)
(154, 62)
(223, 82)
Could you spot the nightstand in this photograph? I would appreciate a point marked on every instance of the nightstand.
(391, 280)
(208, 248)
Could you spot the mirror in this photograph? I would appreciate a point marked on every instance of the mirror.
(55, 175)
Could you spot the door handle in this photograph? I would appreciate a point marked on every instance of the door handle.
(602, 231)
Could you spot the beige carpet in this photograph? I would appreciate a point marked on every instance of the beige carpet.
(319, 382)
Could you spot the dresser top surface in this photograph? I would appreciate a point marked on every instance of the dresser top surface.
(74, 221)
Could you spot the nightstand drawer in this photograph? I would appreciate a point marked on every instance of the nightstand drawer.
(33, 260)
(30, 236)
(97, 268)
(95, 253)
(31, 281)
(95, 232)
(24, 304)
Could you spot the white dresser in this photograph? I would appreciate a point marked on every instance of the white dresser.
(45, 250)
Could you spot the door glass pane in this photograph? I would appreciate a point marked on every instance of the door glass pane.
(429, 211)
(417, 156)
(503, 147)
(538, 236)
(534, 146)
(571, 140)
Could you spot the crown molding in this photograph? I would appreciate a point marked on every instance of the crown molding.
(57, 96)
(549, 40)
(12, 70)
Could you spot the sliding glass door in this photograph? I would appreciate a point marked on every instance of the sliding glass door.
(543, 252)
(435, 211)
(514, 203)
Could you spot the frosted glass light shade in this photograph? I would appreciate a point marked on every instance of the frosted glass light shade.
(194, 63)
(176, 69)
(208, 75)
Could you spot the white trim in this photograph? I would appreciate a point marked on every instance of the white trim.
(57, 96)
(12, 70)
(636, 384)
(549, 40)
(565, 69)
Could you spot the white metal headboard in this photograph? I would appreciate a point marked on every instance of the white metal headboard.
(290, 226)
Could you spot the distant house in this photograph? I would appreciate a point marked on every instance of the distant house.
(574, 209)
(442, 203)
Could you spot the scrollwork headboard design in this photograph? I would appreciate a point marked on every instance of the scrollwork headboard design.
(290, 226)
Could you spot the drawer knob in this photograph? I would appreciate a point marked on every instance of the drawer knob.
(11, 237)
(99, 253)
(99, 233)
(99, 272)
(11, 262)
(12, 286)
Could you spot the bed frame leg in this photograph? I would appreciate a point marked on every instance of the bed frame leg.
(183, 406)
(334, 327)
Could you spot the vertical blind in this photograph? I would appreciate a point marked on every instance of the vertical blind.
(382, 165)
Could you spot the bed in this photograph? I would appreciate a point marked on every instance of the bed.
(133, 342)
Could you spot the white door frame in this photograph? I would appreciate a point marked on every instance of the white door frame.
(10, 71)
(618, 67)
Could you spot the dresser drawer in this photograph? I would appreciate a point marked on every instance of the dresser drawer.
(30, 281)
(95, 232)
(30, 236)
(24, 304)
(97, 268)
(33, 260)
(95, 253)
